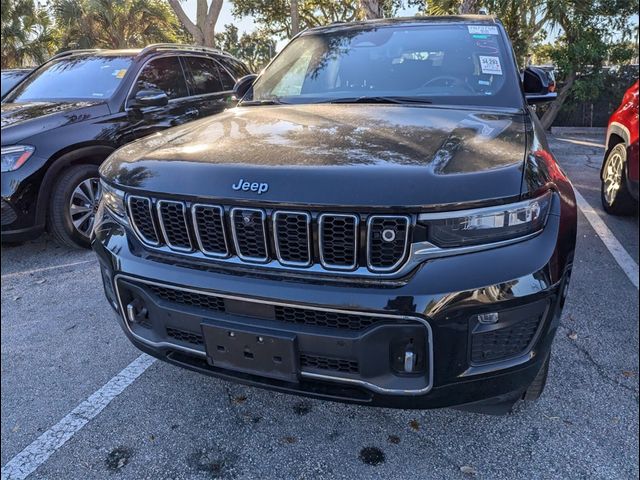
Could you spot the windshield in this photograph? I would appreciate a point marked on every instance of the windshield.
(10, 79)
(83, 78)
(440, 64)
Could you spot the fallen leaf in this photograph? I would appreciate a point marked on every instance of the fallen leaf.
(573, 335)
(394, 439)
(288, 439)
(15, 299)
(469, 470)
(240, 399)
(15, 429)
(414, 425)
(41, 281)
(628, 373)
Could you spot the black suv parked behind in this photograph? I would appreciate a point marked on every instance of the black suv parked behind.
(379, 221)
(68, 115)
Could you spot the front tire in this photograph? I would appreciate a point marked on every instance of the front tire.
(73, 207)
(615, 195)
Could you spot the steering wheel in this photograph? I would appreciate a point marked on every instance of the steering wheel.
(455, 81)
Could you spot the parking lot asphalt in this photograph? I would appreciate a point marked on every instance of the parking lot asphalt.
(61, 343)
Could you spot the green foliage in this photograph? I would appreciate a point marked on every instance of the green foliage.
(115, 23)
(274, 16)
(254, 48)
(27, 33)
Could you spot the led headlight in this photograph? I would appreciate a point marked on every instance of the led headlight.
(14, 156)
(113, 200)
(487, 225)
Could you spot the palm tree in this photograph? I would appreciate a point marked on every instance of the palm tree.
(27, 33)
(115, 23)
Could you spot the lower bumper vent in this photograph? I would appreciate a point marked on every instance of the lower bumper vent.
(327, 363)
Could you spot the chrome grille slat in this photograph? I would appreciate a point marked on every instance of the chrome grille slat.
(250, 234)
(291, 239)
(386, 254)
(141, 215)
(338, 238)
(172, 217)
(210, 231)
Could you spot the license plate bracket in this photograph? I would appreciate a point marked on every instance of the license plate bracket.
(253, 350)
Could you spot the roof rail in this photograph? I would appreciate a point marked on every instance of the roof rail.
(66, 53)
(179, 46)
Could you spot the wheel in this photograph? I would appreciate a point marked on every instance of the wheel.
(73, 206)
(615, 195)
(534, 391)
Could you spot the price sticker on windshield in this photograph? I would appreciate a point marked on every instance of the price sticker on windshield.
(490, 65)
(482, 29)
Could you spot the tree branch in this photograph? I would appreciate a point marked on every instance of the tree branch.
(186, 21)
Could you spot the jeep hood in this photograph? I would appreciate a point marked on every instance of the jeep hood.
(21, 120)
(333, 155)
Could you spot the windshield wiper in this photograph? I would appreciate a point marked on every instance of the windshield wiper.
(380, 99)
(268, 101)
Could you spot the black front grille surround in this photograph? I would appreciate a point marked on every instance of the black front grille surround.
(297, 239)
(338, 236)
(142, 219)
(172, 216)
(506, 342)
(387, 241)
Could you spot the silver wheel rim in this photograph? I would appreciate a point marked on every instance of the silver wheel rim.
(83, 205)
(613, 177)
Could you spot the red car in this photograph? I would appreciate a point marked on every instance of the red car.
(620, 167)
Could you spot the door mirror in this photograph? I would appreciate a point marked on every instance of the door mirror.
(243, 85)
(150, 97)
(537, 85)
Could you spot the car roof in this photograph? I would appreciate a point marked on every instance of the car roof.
(418, 20)
(142, 52)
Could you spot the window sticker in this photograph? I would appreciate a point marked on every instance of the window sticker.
(119, 73)
(490, 65)
(483, 29)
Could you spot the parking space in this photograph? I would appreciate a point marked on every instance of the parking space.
(60, 344)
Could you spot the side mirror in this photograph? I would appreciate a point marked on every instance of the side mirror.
(537, 86)
(243, 85)
(150, 97)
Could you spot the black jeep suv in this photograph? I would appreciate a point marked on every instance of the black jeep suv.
(378, 221)
(67, 116)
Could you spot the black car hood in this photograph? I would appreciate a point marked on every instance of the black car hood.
(23, 119)
(340, 155)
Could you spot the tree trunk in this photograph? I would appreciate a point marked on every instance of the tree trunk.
(468, 7)
(295, 18)
(371, 9)
(203, 31)
(553, 110)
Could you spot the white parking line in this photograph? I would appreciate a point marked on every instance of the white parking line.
(628, 264)
(44, 269)
(45, 445)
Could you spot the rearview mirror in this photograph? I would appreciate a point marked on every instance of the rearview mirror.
(536, 84)
(150, 97)
(243, 85)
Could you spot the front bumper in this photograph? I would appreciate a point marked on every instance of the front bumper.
(463, 363)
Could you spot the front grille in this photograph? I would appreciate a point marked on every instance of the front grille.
(141, 214)
(300, 316)
(190, 299)
(322, 318)
(249, 233)
(210, 230)
(293, 237)
(327, 363)
(339, 241)
(297, 239)
(504, 342)
(387, 241)
(173, 221)
(184, 336)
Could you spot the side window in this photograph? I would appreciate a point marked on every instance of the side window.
(236, 67)
(165, 74)
(227, 80)
(203, 75)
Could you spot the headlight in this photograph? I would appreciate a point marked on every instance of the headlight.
(113, 200)
(14, 156)
(487, 225)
